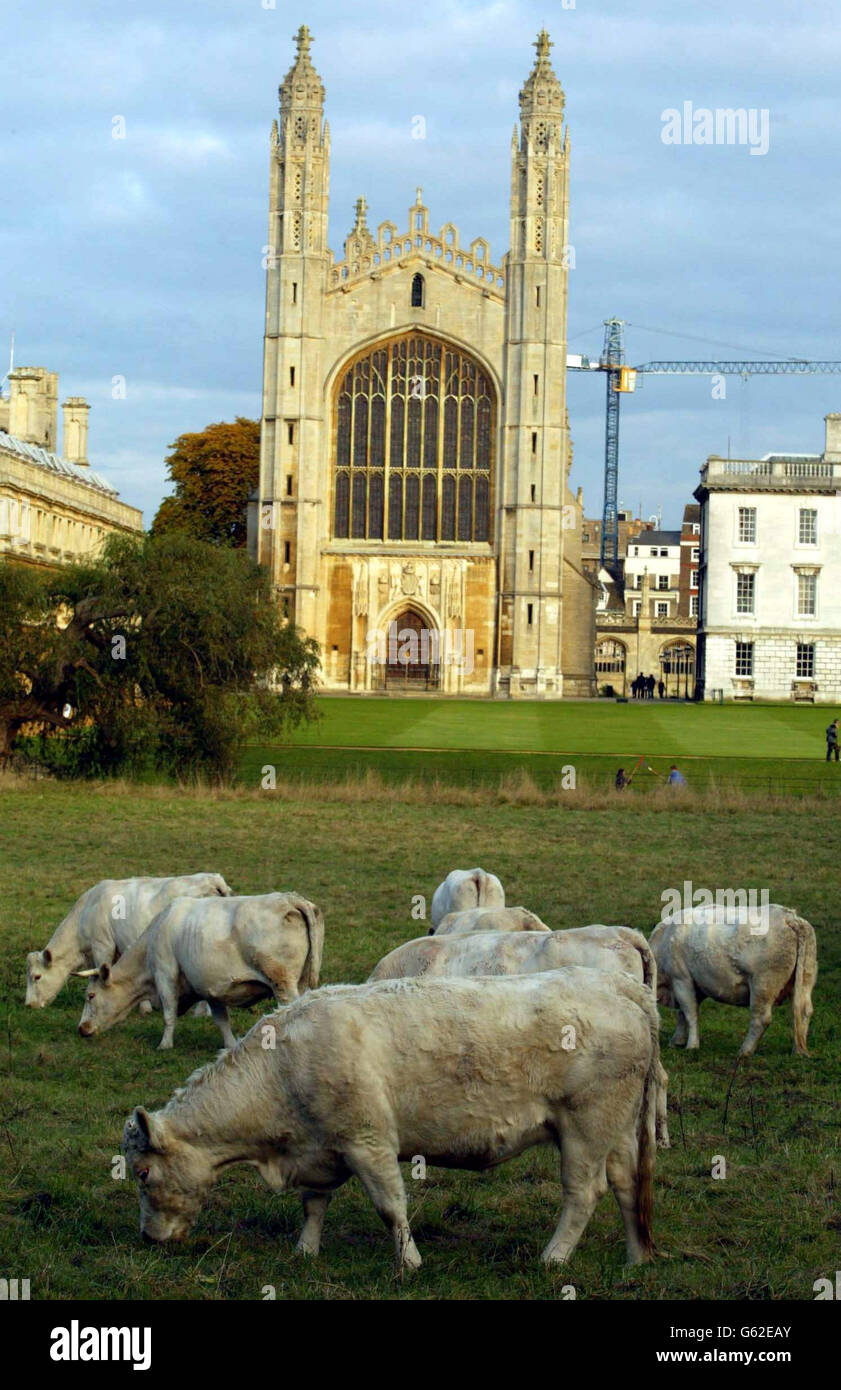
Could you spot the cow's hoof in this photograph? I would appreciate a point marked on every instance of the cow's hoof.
(307, 1251)
(164, 1046)
(144, 1008)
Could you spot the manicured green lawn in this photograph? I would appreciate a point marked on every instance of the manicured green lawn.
(766, 1231)
(763, 748)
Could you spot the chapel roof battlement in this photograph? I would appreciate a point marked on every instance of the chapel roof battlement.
(368, 255)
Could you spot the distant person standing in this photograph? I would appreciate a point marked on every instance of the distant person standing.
(649, 685)
(832, 740)
(661, 689)
(621, 781)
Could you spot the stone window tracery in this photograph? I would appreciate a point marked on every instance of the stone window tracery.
(414, 435)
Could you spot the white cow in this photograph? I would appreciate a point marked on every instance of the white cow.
(468, 1073)
(478, 954)
(721, 953)
(489, 919)
(230, 953)
(463, 889)
(103, 923)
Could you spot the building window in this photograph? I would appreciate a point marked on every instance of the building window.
(290, 432)
(585, 536)
(530, 613)
(693, 579)
(287, 552)
(744, 658)
(291, 376)
(289, 485)
(414, 431)
(805, 660)
(696, 552)
(664, 551)
(417, 292)
(662, 581)
(531, 561)
(747, 525)
(807, 528)
(745, 592)
(807, 595)
(637, 607)
(652, 550)
(696, 528)
(662, 610)
(693, 605)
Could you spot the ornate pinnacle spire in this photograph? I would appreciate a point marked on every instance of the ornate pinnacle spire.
(359, 238)
(542, 95)
(361, 224)
(302, 87)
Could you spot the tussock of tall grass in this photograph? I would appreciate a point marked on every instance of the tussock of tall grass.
(516, 788)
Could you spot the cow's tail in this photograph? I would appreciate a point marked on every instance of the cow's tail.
(314, 919)
(647, 1134)
(648, 960)
(805, 974)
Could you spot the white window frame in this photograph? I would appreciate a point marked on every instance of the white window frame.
(693, 579)
(694, 606)
(798, 612)
(662, 609)
(804, 675)
(798, 540)
(637, 607)
(744, 675)
(739, 540)
(745, 612)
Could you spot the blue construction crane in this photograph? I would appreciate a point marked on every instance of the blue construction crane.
(621, 380)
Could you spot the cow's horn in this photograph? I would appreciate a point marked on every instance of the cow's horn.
(84, 974)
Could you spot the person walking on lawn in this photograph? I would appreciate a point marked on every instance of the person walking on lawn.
(832, 740)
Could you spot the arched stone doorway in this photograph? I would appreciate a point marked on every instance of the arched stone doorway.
(677, 669)
(611, 659)
(412, 658)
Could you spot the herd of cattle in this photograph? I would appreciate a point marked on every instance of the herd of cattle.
(465, 1047)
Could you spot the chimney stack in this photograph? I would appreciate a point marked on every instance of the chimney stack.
(33, 406)
(75, 430)
(832, 453)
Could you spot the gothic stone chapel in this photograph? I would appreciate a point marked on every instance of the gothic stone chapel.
(415, 446)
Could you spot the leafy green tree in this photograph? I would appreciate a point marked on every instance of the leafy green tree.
(214, 471)
(166, 652)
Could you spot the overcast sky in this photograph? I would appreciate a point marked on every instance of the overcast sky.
(140, 257)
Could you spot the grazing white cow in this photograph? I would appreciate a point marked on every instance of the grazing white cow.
(489, 919)
(463, 889)
(467, 1073)
(103, 923)
(484, 954)
(230, 952)
(720, 953)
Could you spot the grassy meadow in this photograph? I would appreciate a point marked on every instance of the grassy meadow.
(766, 1231)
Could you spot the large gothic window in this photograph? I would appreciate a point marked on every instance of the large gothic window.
(414, 437)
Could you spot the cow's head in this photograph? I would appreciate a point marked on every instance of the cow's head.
(221, 886)
(172, 1176)
(105, 1003)
(43, 979)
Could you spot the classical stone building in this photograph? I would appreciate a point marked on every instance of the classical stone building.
(53, 507)
(770, 546)
(415, 448)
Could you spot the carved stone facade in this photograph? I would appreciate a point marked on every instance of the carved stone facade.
(415, 447)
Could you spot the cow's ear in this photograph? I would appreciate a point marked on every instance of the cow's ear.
(149, 1129)
(104, 973)
(47, 956)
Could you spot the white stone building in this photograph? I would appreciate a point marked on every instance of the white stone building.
(657, 554)
(770, 576)
(54, 508)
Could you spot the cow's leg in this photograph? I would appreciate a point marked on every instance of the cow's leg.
(584, 1181)
(622, 1164)
(687, 1002)
(222, 1020)
(662, 1110)
(281, 983)
(761, 1012)
(681, 1033)
(315, 1209)
(168, 994)
(379, 1173)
